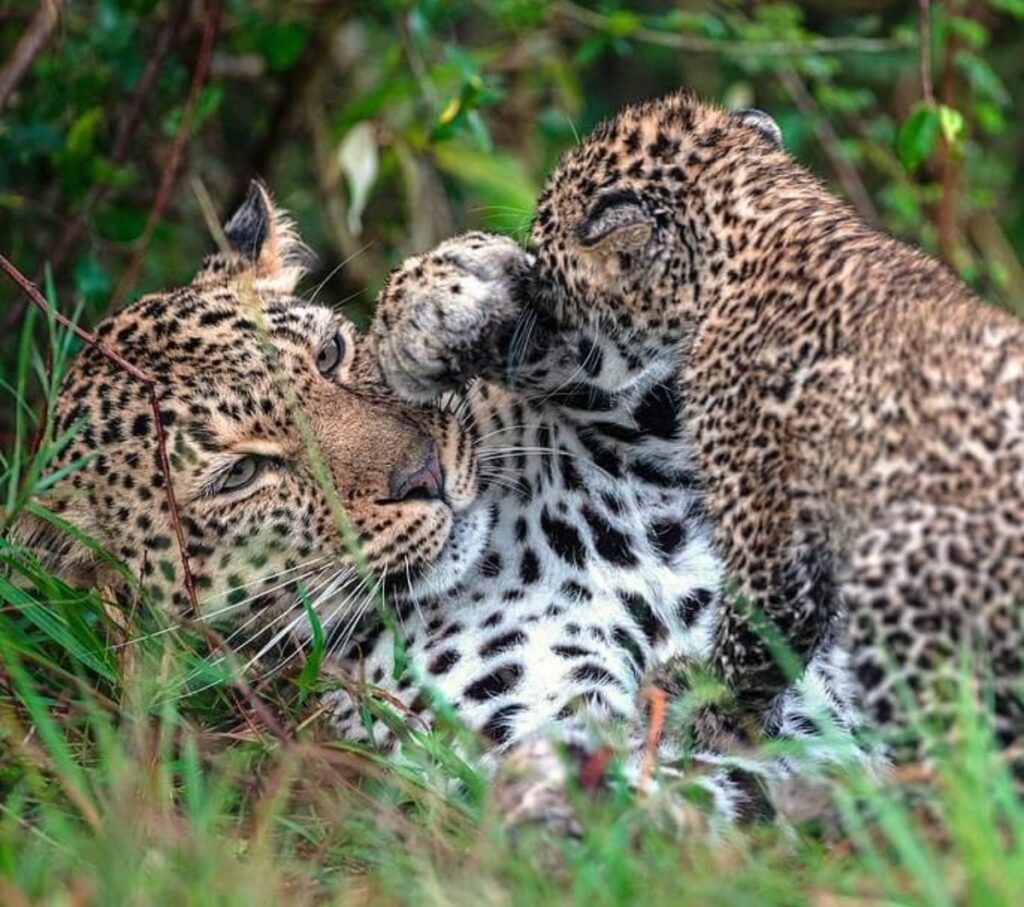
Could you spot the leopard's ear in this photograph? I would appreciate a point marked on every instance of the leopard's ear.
(262, 243)
(763, 123)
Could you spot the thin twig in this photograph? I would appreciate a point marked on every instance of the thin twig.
(946, 219)
(163, 193)
(32, 41)
(30, 290)
(924, 36)
(696, 44)
(845, 172)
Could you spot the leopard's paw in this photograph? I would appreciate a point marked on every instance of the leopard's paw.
(447, 316)
(531, 789)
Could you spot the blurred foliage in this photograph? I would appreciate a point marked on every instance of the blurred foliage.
(385, 125)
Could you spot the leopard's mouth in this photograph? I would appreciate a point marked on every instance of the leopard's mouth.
(469, 531)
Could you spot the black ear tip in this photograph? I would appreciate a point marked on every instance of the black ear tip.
(258, 190)
(249, 226)
(763, 123)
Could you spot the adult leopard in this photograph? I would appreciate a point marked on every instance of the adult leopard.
(536, 562)
(855, 414)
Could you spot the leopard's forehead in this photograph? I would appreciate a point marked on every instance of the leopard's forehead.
(653, 143)
(227, 363)
(198, 335)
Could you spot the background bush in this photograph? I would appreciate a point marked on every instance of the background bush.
(385, 125)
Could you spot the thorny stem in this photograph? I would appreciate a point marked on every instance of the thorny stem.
(30, 290)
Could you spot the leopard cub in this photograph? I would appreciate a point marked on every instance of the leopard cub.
(854, 413)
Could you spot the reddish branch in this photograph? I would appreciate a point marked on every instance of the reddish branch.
(845, 172)
(949, 166)
(29, 289)
(924, 36)
(163, 192)
(28, 47)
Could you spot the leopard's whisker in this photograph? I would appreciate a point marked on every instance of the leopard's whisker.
(318, 583)
(498, 453)
(266, 577)
(522, 426)
(206, 618)
(518, 346)
(572, 376)
(340, 577)
(355, 616)
(337, 268)
(415, 601)
(326, 593)
(508, 484)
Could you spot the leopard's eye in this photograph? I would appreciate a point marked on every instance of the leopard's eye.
(330, 355)
(242, 474)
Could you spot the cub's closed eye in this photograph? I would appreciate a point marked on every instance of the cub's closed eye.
(615, 213)
(330, 355)
(241, 474)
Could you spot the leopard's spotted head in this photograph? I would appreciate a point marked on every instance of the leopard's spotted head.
(280, 432)
(648, 212)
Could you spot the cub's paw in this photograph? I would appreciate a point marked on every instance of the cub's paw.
(530, 789)
(449, 315)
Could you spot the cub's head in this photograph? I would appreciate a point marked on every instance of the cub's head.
(287, 451)
(651, 209)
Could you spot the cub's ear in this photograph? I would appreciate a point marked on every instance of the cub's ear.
(763, 123)
(262, 240)
(617, 222)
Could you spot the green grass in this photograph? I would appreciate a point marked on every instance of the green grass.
(118, 786)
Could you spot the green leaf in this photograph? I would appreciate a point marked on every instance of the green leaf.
(918, 136)
(1014, 8)
(951, 122)
(311, 669)
(622, 23)
(282, 44)
(82, 133)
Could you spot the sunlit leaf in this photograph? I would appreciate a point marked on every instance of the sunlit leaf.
(951, 122)
(359, 161)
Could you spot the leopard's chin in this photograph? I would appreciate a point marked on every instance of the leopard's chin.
(468, 535)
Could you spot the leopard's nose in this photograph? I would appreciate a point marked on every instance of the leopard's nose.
(424, 482)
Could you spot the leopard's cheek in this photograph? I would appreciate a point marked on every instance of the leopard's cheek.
(246, 554)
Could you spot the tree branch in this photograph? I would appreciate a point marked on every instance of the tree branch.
(32, 41)
(170, 174)
(924, 36)
(695, 44)
(845, 172)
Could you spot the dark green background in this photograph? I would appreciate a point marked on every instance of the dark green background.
(468, 104)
